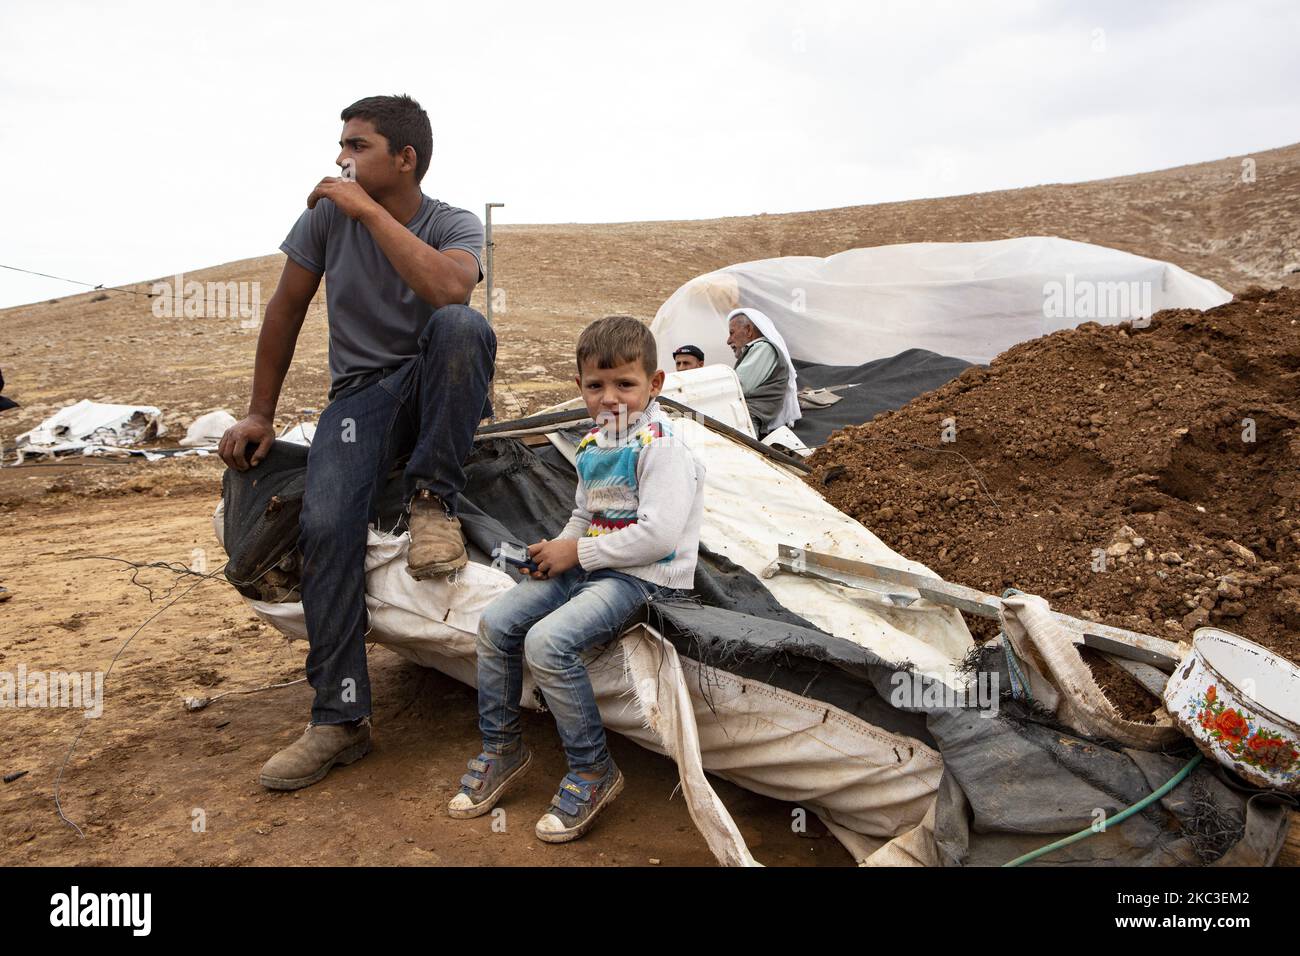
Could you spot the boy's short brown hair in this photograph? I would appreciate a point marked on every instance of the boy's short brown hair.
(616, 340)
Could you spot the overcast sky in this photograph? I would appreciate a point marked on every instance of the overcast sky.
(142, 139)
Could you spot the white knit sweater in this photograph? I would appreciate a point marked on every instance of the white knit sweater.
(639, 516)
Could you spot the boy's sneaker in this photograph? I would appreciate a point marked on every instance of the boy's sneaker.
(489, 776)
(575, 806)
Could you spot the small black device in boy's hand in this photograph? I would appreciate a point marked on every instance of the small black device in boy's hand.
(515, 555)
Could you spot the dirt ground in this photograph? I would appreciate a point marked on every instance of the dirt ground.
(143, 771)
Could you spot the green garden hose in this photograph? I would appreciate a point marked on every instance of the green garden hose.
(1120, 817)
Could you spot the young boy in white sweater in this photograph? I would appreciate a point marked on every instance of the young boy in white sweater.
(632, 539)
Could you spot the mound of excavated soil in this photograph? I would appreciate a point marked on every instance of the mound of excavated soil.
(1172, 450)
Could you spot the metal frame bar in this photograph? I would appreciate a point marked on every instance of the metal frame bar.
(550, 421)
(904, 588)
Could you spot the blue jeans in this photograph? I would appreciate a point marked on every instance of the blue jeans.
(550, 623)
(428, 408)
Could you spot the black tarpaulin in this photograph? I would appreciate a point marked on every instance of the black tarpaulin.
(873, 387)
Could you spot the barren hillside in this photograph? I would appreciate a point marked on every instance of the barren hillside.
(555, 278)
(142, 770)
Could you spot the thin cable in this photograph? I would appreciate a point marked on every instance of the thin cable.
(59, 778)
(173, 566)
(91, 286)
(253, 690)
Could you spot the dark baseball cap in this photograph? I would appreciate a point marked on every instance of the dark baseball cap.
(690, 350)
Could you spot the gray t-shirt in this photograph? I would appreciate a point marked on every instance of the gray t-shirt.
(375, 318)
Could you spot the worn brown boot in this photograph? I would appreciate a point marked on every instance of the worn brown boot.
(311, 756)
(436, 543)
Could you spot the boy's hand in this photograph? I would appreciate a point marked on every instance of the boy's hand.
(553, 558)
(347, 194)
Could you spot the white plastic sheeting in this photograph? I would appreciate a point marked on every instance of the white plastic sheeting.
(96, 428)
(785, 439)
(299, 434)
(91, 428)
(206, 430)
(968, 300)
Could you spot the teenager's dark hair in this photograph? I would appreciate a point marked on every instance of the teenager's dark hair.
(616, 340)
(402, 122)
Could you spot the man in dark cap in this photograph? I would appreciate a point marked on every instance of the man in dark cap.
(689, 356)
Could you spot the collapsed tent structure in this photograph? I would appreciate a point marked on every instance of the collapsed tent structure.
(879, 715)
(901, 320)
(967, 300)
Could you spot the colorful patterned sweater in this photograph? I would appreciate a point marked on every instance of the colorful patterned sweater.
(640, 500)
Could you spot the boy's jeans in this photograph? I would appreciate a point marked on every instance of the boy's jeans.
(430, 407)
(550, 623)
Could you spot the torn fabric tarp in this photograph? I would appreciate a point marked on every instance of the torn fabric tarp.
(91, 428)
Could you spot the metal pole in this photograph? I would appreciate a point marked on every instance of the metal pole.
(491, 245)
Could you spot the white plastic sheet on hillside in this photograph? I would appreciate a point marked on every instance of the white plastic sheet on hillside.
(967, 300)
(92, 428)
(206, 430)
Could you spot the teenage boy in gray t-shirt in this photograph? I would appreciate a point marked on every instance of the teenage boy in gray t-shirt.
(410, 367)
